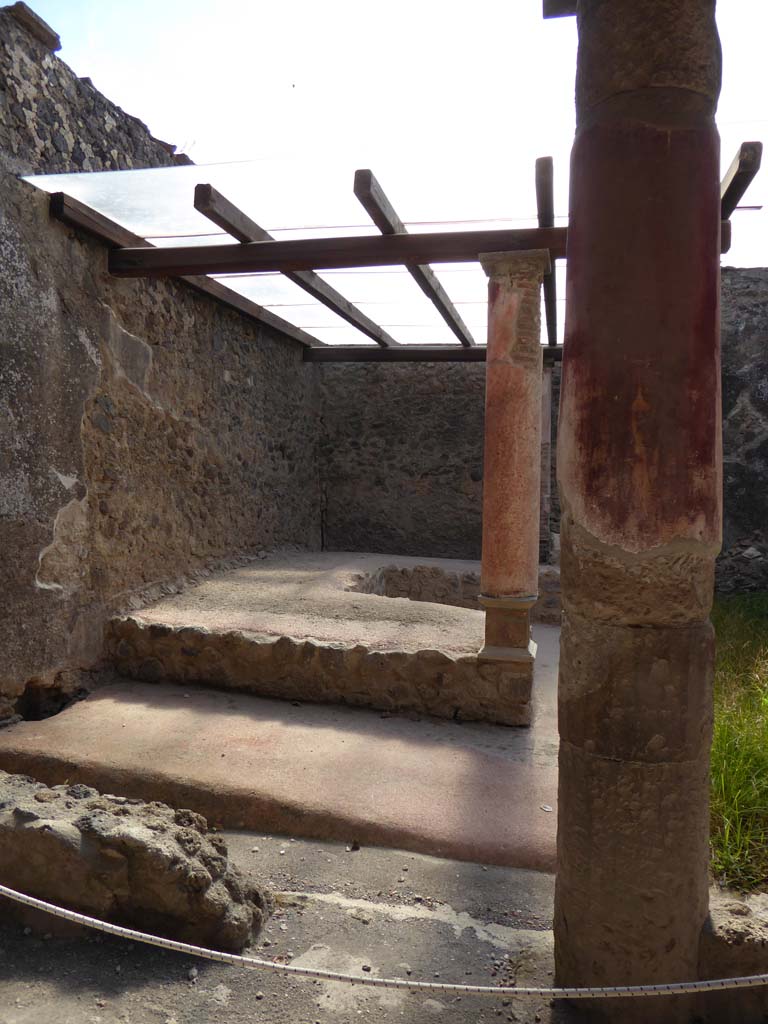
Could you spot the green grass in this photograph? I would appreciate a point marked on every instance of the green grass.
(739, 798)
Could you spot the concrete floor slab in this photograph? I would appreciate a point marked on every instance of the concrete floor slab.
(295, 626)
(469, 791)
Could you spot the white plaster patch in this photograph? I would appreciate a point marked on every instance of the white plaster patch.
(88, 345)
(66, 481)
(337, 996)
(49, 299)
(126, 356)
(62, 565)
(221, 995)
(499, 935)
(434, 1005)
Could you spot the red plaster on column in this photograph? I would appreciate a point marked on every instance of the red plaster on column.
(512, 462)
(639, 473)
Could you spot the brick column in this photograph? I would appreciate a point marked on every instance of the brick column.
(639, 472)
(512, 460)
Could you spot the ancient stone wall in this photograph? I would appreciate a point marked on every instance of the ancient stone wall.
(743, 564)
(402, 457)
(51, 121)
(146, 432)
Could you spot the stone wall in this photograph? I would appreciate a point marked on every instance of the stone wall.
(402, 457)
(146, 432)
(743, 564)
(51, 121)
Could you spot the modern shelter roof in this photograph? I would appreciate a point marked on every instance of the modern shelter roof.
(193, 207)
(294, 200)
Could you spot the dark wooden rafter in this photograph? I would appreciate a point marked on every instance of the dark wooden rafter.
(332, 253)
(382, 213)
(739, 176)
(336, 253)
(226, 215)
(77, 215)
(545, 208)
(559, 8)
(411, 354)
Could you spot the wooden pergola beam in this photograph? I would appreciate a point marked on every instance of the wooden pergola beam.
(739, 176)
(412, 354)
(382, 213)
(545, 208)
(77, 215)
(559, 8)
(337, 253)
(217, 208)
(332, 253)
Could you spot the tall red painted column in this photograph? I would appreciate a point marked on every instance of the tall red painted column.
(639, 473)
(512, 461)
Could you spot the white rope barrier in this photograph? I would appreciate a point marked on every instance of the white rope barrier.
(254, 963)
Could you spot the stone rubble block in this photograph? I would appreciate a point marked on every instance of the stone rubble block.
(144, 865)
(734, 943)
(425, 681)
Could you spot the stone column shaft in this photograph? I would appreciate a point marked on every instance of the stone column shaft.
(639, 472)
(512, 461)
(545, 529)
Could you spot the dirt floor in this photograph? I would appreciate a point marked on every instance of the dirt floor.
(391, 911)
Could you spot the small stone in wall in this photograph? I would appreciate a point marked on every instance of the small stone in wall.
(751, 553)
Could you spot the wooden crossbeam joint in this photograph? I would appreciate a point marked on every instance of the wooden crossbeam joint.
(217, 208)
(739, 176)
(77, 215)
(382, 213)
(559, 8)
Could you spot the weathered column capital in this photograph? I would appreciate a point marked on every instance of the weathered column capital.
(525, 266)
(634, 54)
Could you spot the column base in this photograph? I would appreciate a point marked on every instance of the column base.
(519, 655)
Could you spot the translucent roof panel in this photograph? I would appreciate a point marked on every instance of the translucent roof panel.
(298, 200)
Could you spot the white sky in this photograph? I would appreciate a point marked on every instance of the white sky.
(448, 102)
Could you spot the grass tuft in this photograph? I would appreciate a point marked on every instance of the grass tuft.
(739, 793)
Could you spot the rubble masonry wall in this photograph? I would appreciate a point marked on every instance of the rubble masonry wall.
(146, 431)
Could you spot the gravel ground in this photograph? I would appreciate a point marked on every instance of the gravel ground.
(371, 911)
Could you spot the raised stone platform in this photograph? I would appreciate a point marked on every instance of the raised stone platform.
(471, 791)
(299, 627)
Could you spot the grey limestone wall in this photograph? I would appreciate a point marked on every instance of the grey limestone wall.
(743, 564)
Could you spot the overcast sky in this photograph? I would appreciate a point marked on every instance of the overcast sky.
(435, 83)
(448, 102)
